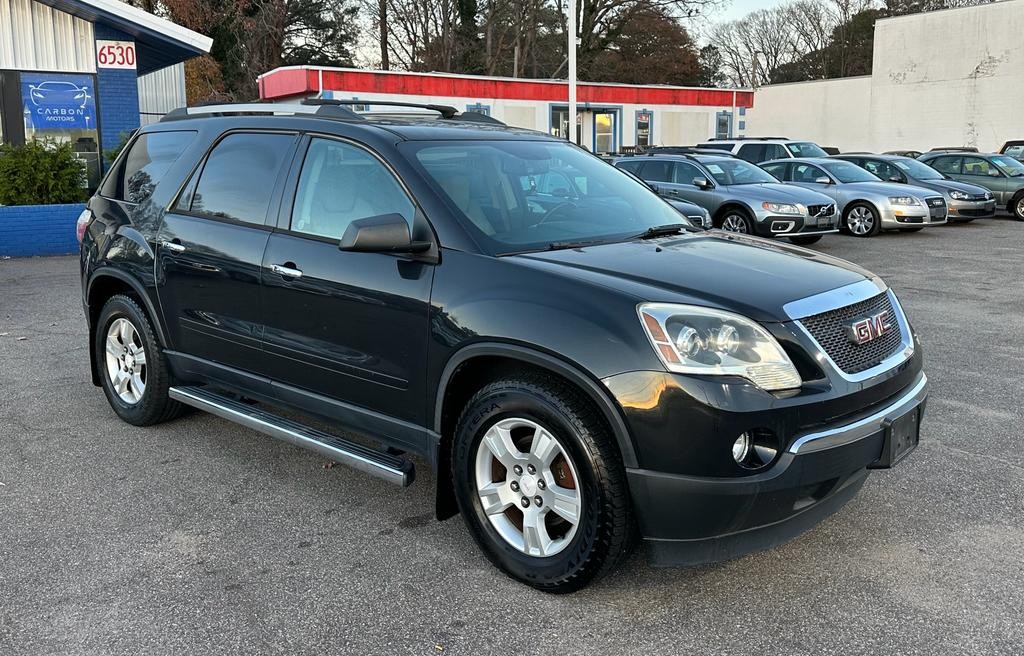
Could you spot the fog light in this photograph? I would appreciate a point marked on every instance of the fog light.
(741, 448)
(755, 448)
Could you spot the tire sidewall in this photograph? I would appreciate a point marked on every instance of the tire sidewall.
(116, 308)
(1017, 207)
(747, 221)
(875, 218)
(479, 418)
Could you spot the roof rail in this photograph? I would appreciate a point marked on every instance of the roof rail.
(684, 150)
(445, 111)
(229, 109)
(749, 139)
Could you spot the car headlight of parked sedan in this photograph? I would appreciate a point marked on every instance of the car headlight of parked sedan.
(955, 194)
(697, 340)
(903, 200)
(782, 208)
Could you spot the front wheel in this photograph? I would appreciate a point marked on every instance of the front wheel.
(805, 241)
(540, 483)
(861, 220)
(1016, 207)
(735, 220)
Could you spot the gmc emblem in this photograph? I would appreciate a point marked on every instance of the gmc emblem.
(865, 329)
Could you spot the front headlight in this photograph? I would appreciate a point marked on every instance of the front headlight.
(903, 200)
(958, 195)
(698, 340)
(782, 208)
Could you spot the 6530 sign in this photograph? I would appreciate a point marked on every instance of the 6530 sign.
(115, 54)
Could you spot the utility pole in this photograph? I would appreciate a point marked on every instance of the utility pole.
(571, 29)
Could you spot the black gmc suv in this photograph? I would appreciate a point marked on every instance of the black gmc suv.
(578, 367)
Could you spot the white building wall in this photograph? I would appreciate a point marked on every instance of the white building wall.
(830, 113)
(160, 92)
(944, 78)
(37, 37)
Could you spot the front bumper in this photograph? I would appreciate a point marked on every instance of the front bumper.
(969, 209)
(792, 225)
(689, 520)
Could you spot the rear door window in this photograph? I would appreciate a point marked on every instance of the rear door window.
(947, 165)
(341, 183)
(753, 153)
(774, 151)
(239, 177)
(145, 164)
(657, 171)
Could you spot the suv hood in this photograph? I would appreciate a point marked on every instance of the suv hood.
(778, 192)
(747, 275)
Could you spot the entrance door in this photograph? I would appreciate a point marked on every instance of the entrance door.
(604, 132)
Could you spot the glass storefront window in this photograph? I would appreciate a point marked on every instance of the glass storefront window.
(643, 129)
(62, 107)
(604, 132)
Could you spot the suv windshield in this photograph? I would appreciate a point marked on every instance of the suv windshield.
(917, 169)
(531, 195)
(806, 149)
(1009, 166)
(737, 172)
(847, 172)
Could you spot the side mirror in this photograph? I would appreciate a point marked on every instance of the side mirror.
(992, 173)
(385, 233)
(701, 183)
(823, 180)
(895, 178)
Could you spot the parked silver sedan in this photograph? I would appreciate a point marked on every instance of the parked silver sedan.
(964, 202)
(865, 203)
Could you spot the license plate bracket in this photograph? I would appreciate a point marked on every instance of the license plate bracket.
(902, 435)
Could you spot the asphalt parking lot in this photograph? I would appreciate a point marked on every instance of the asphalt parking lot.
(199, 537)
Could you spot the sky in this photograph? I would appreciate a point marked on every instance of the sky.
(734, 9)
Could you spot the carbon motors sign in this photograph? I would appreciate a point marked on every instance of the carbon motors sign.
(53, 101)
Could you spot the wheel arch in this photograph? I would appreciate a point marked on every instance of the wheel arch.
(481, 361)
(105, 283)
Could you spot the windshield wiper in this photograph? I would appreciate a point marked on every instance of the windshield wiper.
(580, 243)
(661, 231)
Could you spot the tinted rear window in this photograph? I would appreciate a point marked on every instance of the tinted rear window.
(239, 176)
(145, 164)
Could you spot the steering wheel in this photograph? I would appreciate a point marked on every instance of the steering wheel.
(551, 212)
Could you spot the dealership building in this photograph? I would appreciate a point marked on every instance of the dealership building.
(610, 116)
(86, 71)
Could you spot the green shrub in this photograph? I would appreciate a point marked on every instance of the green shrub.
(42, 172)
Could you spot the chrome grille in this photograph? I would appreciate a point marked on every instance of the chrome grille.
(821, 210)
(829, 330)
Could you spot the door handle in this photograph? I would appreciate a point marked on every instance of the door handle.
(289, 271)
(173, 246)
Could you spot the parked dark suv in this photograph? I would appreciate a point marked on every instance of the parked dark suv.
(575, 368)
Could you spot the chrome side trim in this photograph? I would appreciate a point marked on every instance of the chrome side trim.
(834, 299)
(834, 437)
(904, 352)
(382, 465)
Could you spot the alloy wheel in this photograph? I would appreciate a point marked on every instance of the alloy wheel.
(860, 220)
(1020, 208)
(734, 223)
(526, 483)
(126, 361)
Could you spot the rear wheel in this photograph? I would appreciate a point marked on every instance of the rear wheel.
(805, 241)
(540, 483)
(861, 220)
(133, 371)
(736, 220)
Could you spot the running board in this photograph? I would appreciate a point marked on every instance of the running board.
(377, 463)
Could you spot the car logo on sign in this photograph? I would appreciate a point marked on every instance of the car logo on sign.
(865, 329)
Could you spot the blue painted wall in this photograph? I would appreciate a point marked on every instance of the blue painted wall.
(39, 229)
(118, 94)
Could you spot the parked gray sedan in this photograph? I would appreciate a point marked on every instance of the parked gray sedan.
(1000, 174)
(740, 196)
(964, 202)
(865, 204)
